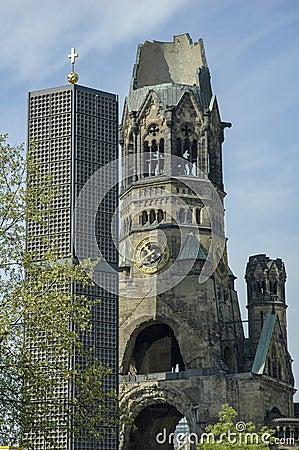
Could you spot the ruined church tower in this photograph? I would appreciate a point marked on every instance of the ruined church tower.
(182, 345)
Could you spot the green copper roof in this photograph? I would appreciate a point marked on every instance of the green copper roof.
(168, 94)
(264, 343)
(192, 249)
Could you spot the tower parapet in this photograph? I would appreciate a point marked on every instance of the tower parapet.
(265, 278)
(171, 111)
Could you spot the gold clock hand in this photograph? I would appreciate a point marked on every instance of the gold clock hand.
(149, 253)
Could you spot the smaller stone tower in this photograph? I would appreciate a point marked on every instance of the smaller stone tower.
(265, 279)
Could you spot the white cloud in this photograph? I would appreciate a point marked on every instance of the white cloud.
(31, 36)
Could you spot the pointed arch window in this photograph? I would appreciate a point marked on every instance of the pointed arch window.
(144, 217)
(156, 350)
(273, 287)
(189, 216)
(153, 157)
(260, 287)
(181, 215)
(152, 216)
(178, 149)
(160, 215)
(131, 144)
(187, 149)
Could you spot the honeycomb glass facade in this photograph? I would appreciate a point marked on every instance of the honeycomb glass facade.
(74, 130)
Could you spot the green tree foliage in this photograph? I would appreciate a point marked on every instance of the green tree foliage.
(41, 322)
(228, 434)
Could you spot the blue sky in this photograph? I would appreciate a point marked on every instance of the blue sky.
(252, 49)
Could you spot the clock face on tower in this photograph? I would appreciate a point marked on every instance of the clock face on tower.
(151, 254)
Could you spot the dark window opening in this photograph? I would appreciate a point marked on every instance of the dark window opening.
(178, 150)
(149, 423)
(152, 216)
(262, 318)
(156, 350)
(154, 158)
(273, 287)
(189, 216)
(144, 218)
(131, 144)
(230, 360)
(276, 411)
(160, 215)
(181, 215)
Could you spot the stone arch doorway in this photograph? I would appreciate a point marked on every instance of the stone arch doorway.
(153, 428)
(156, 349)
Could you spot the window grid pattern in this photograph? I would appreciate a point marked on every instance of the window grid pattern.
(51, 120)
(50, 127)
(96, 146)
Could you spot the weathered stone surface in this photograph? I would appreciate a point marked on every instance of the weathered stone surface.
(169, 62)
(183, 352)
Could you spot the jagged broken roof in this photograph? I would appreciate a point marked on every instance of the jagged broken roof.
(170, 69)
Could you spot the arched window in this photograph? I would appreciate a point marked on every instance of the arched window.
(153, 157)
(178, 150)
(147, 159)
(160, 157)
(152, 216)
(131, 143)
(181, 215)
(186, 150)
(144, 217)
(156, 350)
(160, 215)
(154, 146)
(258, 287)
(194, 152)
(197, 215)
(189, 216)
(279, 372)
(276, 411)
(273, 287)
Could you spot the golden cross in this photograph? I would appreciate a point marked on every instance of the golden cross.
(73, 55)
